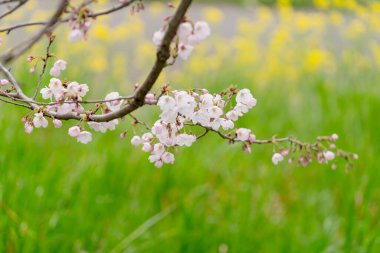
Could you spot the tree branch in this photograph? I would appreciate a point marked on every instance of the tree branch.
(24, 46)
(10, 11)
(93, 15)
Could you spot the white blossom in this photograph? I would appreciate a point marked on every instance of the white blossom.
(75, 35)
(39, 120)
(242, 134)
(136, 140)
(74, 131)
(84, 137)
(276, 158)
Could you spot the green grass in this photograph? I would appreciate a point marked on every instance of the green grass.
(58, 196)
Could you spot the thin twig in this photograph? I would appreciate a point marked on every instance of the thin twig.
(10, 11)
(17, 104)
(93, 15)
(24, 46)
(45, 60)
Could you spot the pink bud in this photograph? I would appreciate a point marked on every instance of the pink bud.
(32, 69)
(334, 137)
(149, 98)
(57, 123)
(285, 152)
(252, 138)
(246, 148)
(30, 58)
(28, 128)
(4, 82)
(122, 135)
(355, 156)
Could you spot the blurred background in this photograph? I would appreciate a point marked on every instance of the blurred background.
(313, 67)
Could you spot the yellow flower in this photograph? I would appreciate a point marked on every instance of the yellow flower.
(213, 15)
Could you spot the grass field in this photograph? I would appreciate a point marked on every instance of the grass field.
(58, 196)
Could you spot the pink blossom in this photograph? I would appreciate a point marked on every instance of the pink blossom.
(55, 71)
(115, 104)
(276, 158)
(84, 137)
(39, 120)
(149, 98)
(74, 131)
(328, 155)
(57, 123)
(167, 157)
(46, 93)
(4, 82)
(334, 137)
(75, 35)
(147, 147)
(242, 134)
(166, 102)
(184, 30)
(28, 127)
(136, 140)
(184, 51)
(158, 37)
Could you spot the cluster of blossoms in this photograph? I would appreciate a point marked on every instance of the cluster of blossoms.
(188, 35)
(182, 112)
(303, 153)
(181, 109)
(79, 31)
(65, 98)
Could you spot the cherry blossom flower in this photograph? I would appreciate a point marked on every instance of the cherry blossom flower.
(184, 51)
(39, 120)
(46, 93)
(166, 102)
(184, 30)
(147, 147)
(60, 64)
(334, 137)
(54, 72)
(167, 157)
(328, 155)
(57, 123)
(136, 140)
(75, 35)
(226, 124)
(4, 82)
(243, 134)
(158, 37)
(84, 137)
(28, 127)
(245, 97)
(56, 87)
(232, 115)
(185, 140)
(74, 131)
(149, 98)
(113, 105)
(276, 158)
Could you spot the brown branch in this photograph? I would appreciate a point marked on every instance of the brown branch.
(17, 104)
(45, 60)
(10, 11)
(162, 56)
(93, 15)
(24, 46)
